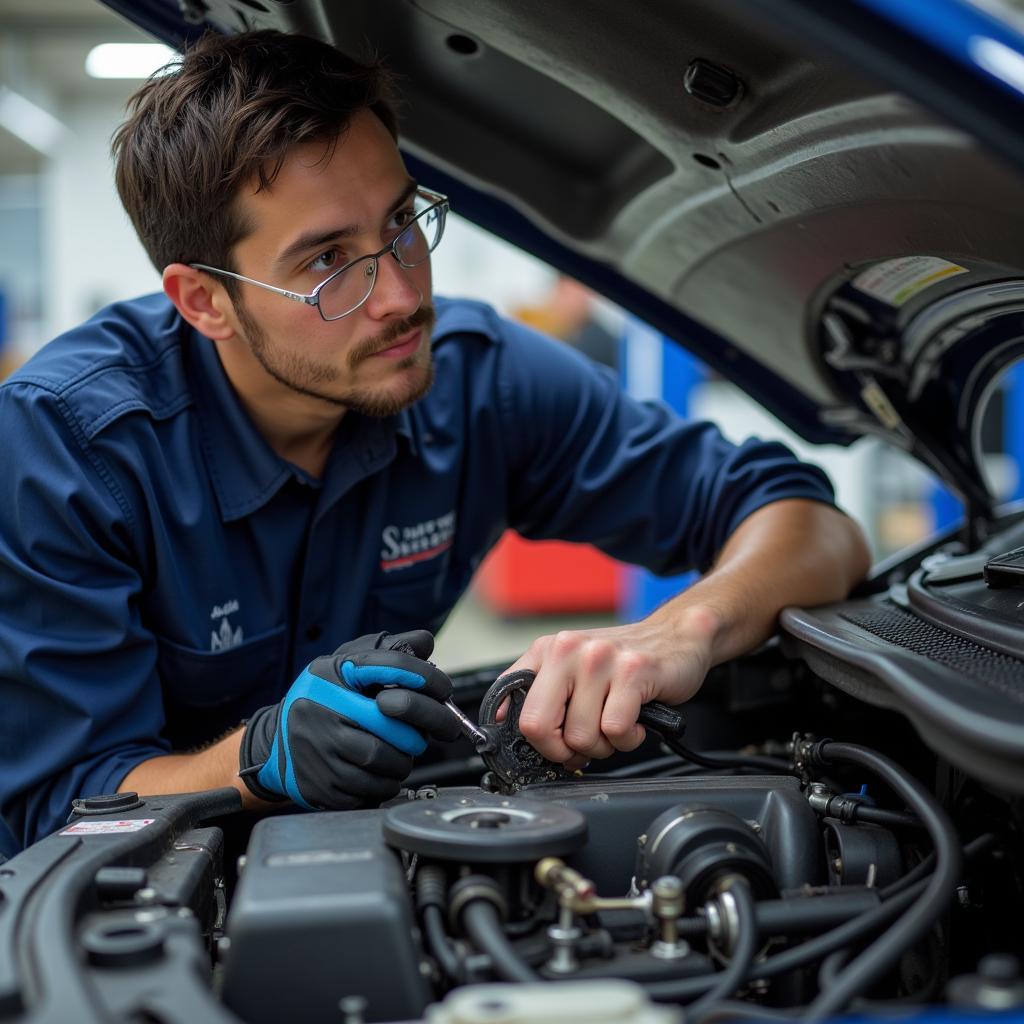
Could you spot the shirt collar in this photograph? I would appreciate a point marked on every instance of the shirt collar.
(246, 472)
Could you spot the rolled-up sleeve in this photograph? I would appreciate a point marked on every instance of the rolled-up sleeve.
(589, 463)
(80, 701)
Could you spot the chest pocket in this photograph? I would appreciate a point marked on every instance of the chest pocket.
(413, 604)
(208, 692)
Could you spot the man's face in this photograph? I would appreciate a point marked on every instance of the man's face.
(316, 217)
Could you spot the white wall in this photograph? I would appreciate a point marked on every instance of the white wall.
(89, 245)
(850, 469)
(90, 253)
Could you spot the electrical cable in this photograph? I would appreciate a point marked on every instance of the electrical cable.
(483, 925)
(877, 958)
(728, 981)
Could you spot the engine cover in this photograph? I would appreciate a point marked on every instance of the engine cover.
(323, 906)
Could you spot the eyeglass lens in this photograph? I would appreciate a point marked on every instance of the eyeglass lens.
(342, 294)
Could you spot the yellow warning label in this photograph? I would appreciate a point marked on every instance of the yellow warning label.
(894, 282)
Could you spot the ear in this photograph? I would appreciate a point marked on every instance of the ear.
(201, 300)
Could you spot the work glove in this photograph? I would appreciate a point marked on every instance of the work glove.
(346, 732)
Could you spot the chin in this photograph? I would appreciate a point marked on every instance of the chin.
(413, 380)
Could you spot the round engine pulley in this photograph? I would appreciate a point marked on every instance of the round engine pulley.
(485, 828)
(700, 846)
(861, 854)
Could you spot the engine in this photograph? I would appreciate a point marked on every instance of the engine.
(699, 888)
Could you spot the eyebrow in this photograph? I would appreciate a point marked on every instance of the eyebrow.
(314, 239)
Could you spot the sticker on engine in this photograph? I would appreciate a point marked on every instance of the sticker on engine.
(894, 282)
(106, 828)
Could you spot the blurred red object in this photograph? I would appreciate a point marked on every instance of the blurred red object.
(527, 577)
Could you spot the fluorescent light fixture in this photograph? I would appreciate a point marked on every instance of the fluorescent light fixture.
(998, 59)
(127, 60)
(34, 126)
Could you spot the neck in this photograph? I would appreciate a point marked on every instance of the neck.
(300, 428)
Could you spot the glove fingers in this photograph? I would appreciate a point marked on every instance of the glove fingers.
(396, 668)
(322, 739)
(419, 642)
(423, 713)
(364, 750)
(348, 781)
(327, 778)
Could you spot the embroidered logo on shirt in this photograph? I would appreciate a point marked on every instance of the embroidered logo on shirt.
(224, 637)
(220, 610)
(403, 546)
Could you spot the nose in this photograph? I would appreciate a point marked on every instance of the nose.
(395, 290)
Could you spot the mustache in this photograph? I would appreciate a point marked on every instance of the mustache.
(423, 317)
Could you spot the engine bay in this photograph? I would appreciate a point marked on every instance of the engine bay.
(761, 871)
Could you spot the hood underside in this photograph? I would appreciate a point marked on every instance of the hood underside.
(743, 175)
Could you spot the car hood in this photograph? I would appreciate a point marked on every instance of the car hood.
(823, 202)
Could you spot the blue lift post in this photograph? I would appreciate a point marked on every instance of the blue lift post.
(654, 367)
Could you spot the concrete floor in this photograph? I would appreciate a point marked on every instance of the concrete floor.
(474, 636)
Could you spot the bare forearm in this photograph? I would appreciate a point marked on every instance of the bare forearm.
(212, 768)
(591, 684)
(789, 553)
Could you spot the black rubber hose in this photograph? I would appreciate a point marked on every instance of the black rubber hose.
(431, 896)
(863, 925)
(814, 949)
(483, 926)
(831, 966)
(879, 957)
(641, 768)
(799, 956)
(913, 875)
(890, 819)
(729, 980)
(440, 945)
(775, 765)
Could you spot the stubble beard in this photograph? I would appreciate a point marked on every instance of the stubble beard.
(306, 377)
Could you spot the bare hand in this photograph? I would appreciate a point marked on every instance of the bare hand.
(591, 683)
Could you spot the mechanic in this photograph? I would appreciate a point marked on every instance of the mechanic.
(206, 489)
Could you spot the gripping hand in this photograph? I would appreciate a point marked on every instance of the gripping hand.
(346, 732)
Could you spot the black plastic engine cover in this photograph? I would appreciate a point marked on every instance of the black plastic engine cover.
(322, 910)
(619, 811)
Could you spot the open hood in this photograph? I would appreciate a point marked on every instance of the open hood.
(823, 202)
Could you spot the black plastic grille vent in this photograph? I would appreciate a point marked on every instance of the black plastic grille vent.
(997, 671)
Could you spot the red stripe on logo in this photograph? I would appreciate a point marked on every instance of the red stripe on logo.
(420, 556)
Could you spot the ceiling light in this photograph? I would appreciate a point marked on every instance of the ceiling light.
(34, 126)
(128, 60)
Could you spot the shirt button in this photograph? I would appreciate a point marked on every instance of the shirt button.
(314, 632)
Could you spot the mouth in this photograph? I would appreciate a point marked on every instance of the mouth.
(404, 346)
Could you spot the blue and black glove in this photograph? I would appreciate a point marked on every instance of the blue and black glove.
(346, 732)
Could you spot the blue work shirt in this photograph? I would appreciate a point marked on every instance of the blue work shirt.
(163, 572)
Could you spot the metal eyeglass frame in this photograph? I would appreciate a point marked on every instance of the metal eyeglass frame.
(436, 200)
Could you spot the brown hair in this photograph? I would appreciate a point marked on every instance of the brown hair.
(227, 114)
